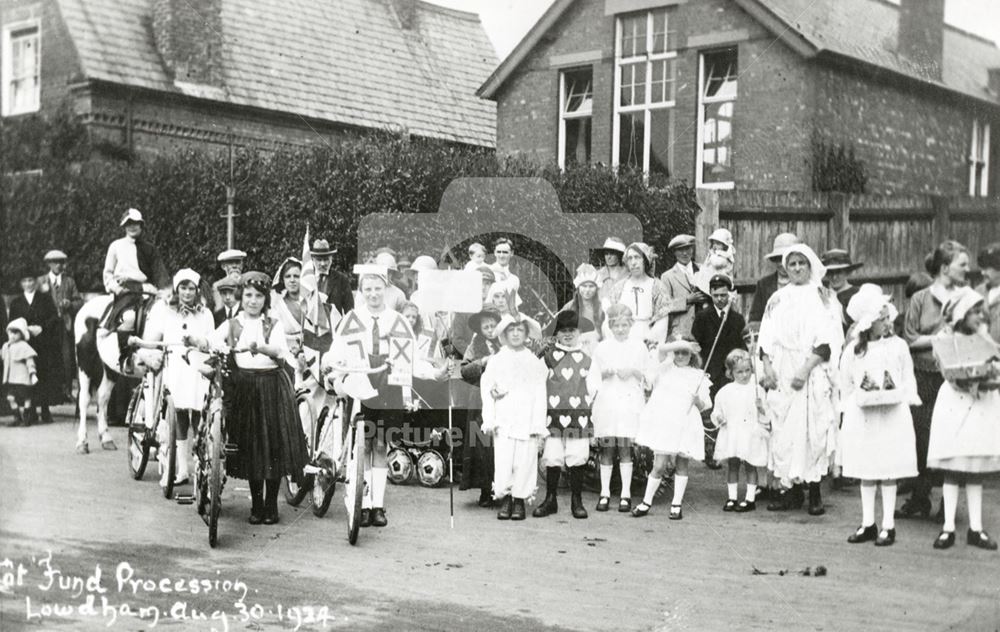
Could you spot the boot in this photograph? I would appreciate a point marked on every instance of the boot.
(549, 505)
(506, 507)
(780, 501)
(271, 501)
(256, 502)
(796, 497)
(124, 351)
(576, 491)
(517, 513)
(18, 417)
(815, 500)
(46, 414)
(485, 498)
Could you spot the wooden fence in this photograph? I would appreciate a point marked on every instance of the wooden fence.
(891, 235)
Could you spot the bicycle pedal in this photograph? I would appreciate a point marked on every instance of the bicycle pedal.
(184, 499)
(231, 448)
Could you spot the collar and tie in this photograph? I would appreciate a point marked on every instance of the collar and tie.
(637, 291)
(375, 337)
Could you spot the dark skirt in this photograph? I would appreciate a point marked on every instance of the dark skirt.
(130, 298)
(928, 385)
(263, 422)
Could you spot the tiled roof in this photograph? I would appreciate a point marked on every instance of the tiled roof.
(862, 30)
(344, 61)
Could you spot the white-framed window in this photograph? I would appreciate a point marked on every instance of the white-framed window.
(576, 110)
(645, 58)
(21, 69)
(979, 159)
(717, 88)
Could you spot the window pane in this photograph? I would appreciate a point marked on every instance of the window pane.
(717, 143)
(633, 90)
(633, 35)
(662, 83)
(579, 92)
(664, 38)
(661, 129)
(630, 140)
(720, 74)
(577, 142)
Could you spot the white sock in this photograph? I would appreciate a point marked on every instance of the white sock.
(949, 492)
(888, 505)
(734, 490)
(974, 498)
(680, 484)
(606, 479)
(751, 492)
(366, 501)
(868, 504)
(182, 459)
(625, 470)
(379, 476)
(652, 484)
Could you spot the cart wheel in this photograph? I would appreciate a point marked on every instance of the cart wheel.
(215, 480)
(323, 487)
(138, 447)
(170, 418)
(355, 490)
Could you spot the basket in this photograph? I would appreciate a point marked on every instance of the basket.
(875, 399)
(965, 357)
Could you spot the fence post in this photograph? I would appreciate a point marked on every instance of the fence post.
(707, 219)
(942, 219)
(839, 235)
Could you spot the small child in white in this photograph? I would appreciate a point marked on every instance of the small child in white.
(514, 413)
(19, 372)
(741, 413)
(477, 256)
(670, 424)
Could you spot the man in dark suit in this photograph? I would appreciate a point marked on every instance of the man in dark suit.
(718, 329)
(62, 288)
(4, 409)
(229, 305)
(335, 285)
(769, 284)
(45, 326)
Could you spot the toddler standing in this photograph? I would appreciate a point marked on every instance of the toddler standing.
(19, 371)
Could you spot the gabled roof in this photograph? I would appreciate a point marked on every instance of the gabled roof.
(342, 61)
(864, 31)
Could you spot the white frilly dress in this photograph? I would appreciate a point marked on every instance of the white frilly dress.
(670, 423)
(187, 386)
(618, 403)
(743, 430)
(877, 442)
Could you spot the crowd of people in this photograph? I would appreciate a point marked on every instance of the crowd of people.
(822, 378)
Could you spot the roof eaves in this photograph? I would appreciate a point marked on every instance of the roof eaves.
(788, 33)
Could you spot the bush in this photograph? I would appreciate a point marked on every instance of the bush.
(75, 204)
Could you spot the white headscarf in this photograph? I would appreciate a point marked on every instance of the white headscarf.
(816, 268)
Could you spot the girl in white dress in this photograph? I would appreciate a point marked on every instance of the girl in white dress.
(965, 427)
(616, 375)
(742, 418)
(877, 388)
(670, 423)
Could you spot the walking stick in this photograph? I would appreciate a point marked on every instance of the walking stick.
(451, 452)
(711, 352)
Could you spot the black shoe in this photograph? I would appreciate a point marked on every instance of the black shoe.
(981, 539)
(815, 500)
(547, 507)
(746, 506)
(271, 517)
(730, 505)
(676, 513)
(603, 503)
(781, 502)
(576, 492)
(485, 499)
(945, 540)
(506, 508)
(517, 512)
(641, 510)
(378, 517)
(887, 537)
(256, 518)
(864, 534)
(625, 505)
(915, 506)
(366, 518)
(18, 419)
(46, 416)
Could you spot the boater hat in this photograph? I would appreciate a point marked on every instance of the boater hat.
(837, 259)
(781, 244)
(54, 255)
(613, 245)
(321, 248)
(231, 255)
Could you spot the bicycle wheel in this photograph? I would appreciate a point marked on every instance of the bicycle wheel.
(355, 489)
(215, 479)
(138, 447)
(295, 493)
(170, 418)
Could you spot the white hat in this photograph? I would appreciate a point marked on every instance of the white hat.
(231, 255)
(964, 299)
(585, 273)
(131, 215)
(781, 244)
(679, 344)
(424, 262)
(186, 274)
(386, 260)
(507, 320)
(613, 244)
(867, 305)
(816, 268)
(681, 241)
(55, 255)
(723, 236)
(21, 325)
(363, 269)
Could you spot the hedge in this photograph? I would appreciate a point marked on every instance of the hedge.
(75, 204)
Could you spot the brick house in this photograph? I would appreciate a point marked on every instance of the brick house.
(152, 75)
(740, 93)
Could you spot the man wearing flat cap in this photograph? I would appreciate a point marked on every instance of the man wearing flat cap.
(231, 262)
(838, 268)
(684, 299)
(68, 301)
(336, 286)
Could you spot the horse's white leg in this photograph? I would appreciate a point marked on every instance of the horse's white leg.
(83, 402)
(103, 401)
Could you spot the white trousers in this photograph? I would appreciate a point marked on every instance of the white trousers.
(561, 451)
(515, 464)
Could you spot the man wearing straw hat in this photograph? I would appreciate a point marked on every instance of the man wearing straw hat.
(838, 268)
(68, 301)
(769, 284)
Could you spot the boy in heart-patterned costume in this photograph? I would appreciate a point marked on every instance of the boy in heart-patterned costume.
(569, 399)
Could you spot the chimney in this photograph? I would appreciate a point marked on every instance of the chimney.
(188, 36)
(406, 11)
(921, 34)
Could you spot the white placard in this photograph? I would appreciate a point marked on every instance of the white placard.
(451, 290)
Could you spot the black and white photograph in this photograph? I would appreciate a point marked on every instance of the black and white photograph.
(433, 315)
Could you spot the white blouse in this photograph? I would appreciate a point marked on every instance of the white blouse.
(253, 331)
